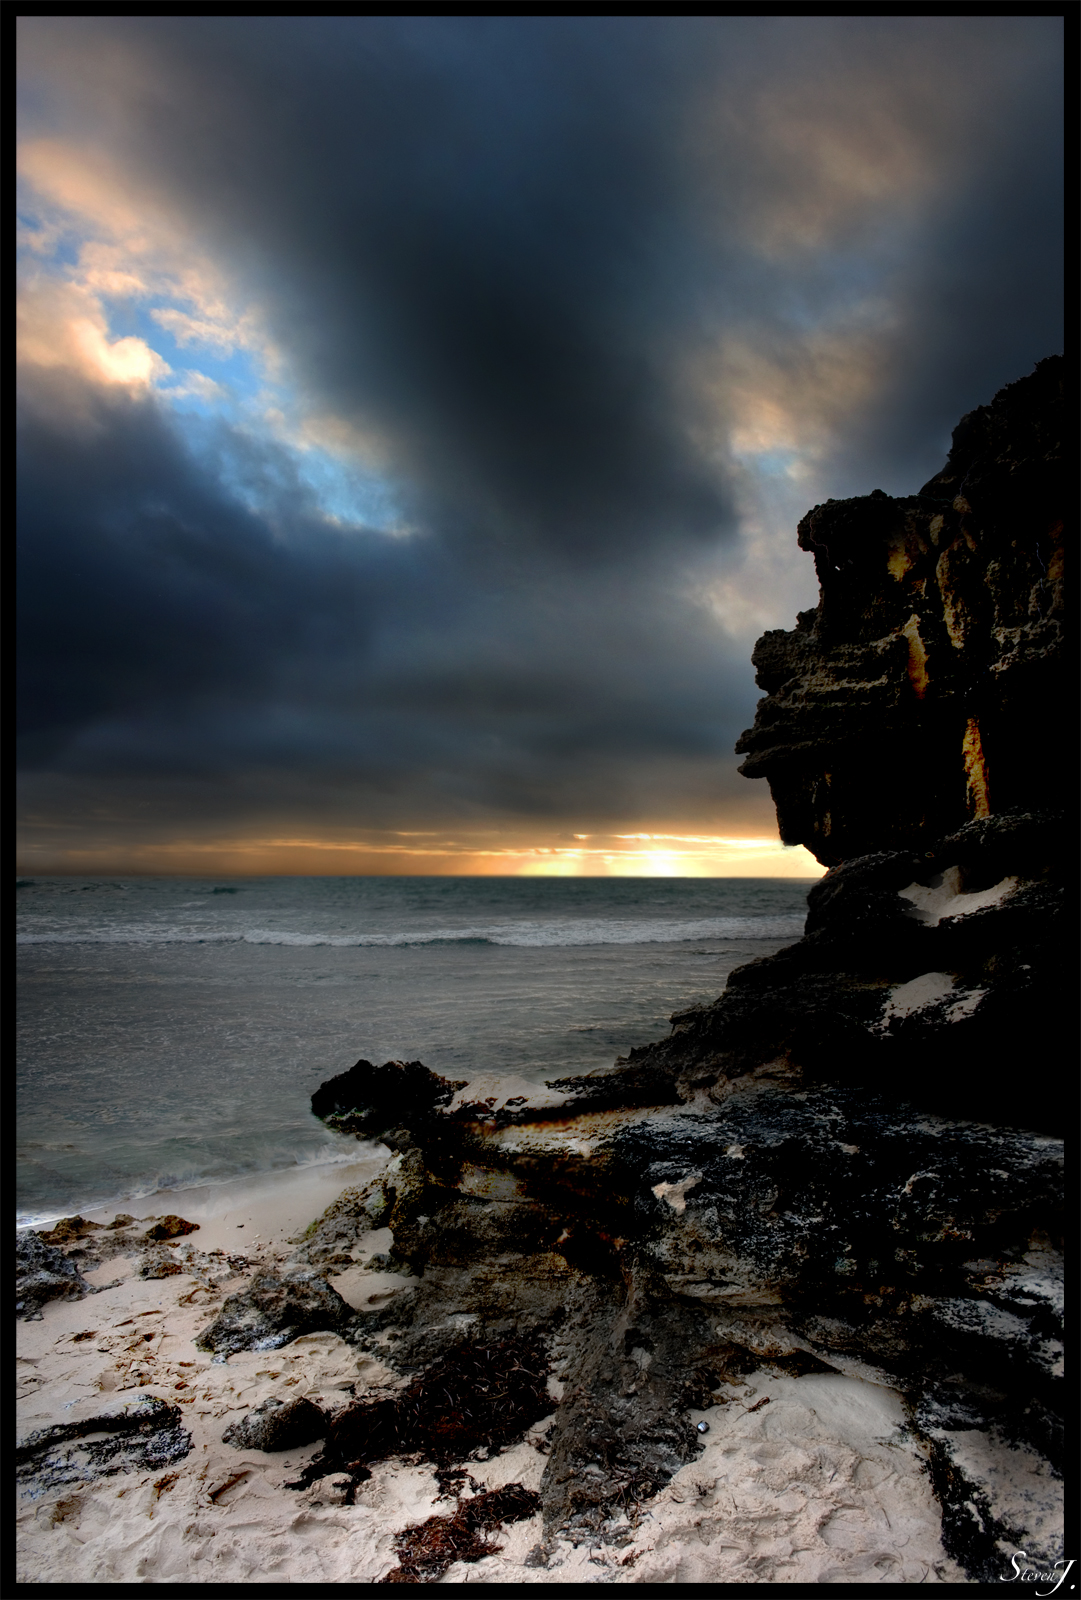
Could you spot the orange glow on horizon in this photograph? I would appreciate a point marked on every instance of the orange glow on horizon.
(591, 855)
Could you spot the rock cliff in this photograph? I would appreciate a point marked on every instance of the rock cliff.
(912, 738)
(926, 688)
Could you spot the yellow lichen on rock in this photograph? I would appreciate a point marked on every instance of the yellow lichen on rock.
(917, 656)
(977, 789)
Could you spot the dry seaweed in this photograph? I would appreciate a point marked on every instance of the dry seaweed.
(428, 1549)
(478, 1397)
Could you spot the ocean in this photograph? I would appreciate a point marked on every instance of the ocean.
(172, 1030)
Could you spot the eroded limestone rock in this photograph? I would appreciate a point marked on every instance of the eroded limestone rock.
(666, 1257)
(139, 1435)
(274, 1310)
(277, 1425)
(43, 1273)
(926, 688)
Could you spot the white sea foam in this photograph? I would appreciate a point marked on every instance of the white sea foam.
(342, 1152)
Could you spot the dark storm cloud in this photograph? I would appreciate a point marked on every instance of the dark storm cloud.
(504, 248)
(470, 232)
(980, 295)
(168, 631)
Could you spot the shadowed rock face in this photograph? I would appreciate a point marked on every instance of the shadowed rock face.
(927, 974)
(926, 689)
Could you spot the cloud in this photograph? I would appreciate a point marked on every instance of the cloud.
(170, 630)
(521, 344)
(61, 325)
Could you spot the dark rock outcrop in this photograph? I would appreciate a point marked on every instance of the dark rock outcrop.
(168, 1228)
(928, 974)
(43, 1273)
(369, 1100)
(926, 689)
(278, 1425)
(142, 1435)
(273, 1311)
(790, 1228)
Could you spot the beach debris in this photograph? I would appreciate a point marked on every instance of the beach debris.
(426, 1550)
(170, 1227)
(273, 1311)
(230, 1483)
(140, 1435)
(43, 1273)
(470, 1402)
(277, 1425)
(157, 1264)
(703, 1427)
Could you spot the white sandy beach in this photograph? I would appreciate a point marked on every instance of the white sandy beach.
(807, 1480)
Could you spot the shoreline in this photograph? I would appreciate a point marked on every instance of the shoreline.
(283, 1189)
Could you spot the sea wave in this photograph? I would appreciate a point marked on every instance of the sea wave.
(525, 935)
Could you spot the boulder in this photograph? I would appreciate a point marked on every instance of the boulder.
(273, 1311)
(170, 1227)
(277, 1425)
(369, 1100)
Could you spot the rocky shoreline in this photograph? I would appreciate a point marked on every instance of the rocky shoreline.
(778, 1298)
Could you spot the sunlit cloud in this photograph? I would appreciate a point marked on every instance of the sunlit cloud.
(62, 325)
(95, 246)
(187, 329)
(194, 385)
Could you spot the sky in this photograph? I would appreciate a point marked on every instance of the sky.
(416, 412)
